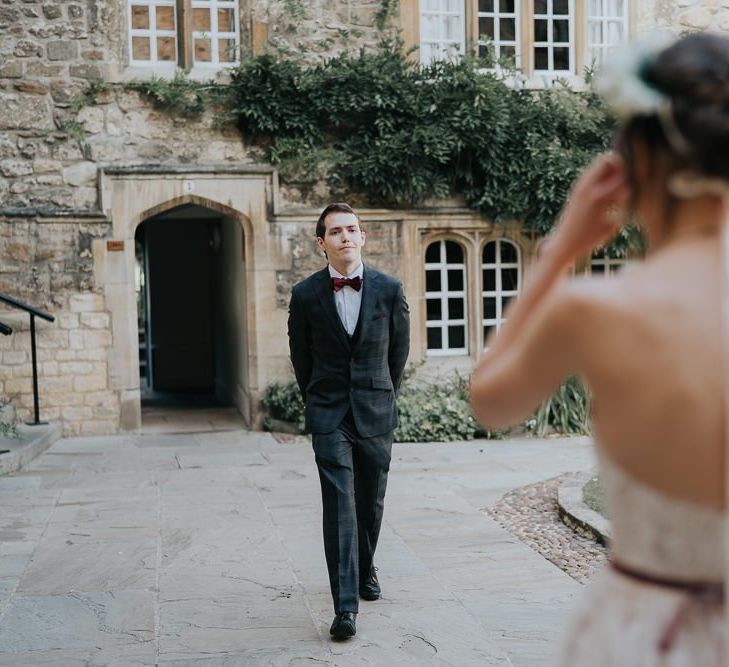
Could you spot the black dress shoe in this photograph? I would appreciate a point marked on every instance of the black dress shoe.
(370, 588)
(344, 625)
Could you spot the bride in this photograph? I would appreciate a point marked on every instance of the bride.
(650, 345)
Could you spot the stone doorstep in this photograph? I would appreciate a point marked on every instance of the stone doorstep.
(577, 515)
(33, 441)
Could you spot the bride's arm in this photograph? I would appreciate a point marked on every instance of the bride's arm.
(537, 347)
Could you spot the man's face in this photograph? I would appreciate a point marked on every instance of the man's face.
(343, 239)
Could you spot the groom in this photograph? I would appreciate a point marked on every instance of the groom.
(349, 339)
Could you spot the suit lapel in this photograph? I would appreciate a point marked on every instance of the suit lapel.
(326, 296)
(367, 306)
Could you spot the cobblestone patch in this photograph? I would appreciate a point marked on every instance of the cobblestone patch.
(530, 514)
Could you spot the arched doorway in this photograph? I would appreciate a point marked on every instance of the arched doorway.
(190, 287)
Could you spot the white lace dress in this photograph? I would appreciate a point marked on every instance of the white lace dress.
(626, 621)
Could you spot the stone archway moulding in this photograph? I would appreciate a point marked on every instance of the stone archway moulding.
(131, 195)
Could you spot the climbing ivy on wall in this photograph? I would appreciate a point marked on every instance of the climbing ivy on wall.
(378, 123)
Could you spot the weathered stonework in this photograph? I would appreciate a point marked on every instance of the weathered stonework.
(73, 178)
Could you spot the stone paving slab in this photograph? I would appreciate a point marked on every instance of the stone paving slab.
(205, 549)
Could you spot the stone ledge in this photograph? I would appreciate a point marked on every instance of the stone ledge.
(577, 515)
(33, 441)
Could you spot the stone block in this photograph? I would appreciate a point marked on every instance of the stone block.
(24, 111)
(75, 368)
(99, 399)
(25, 48)
(95, 320)
(698, 18)
(49, 368)
(61, 398)
(85, 71)
(18, 385)
(85, 198)
(62, 49)
(97, 339)
(80, 173)
(13, 168)
(90, 382)
(51, 11)
(100, 427)
(23, 371)
(31, 88)
(77, 413)
(87, 302)
(13, 69)
(43, 70)
(8, 146)
(58, 384)
(8, 16)
(52, 339)
(92, 119)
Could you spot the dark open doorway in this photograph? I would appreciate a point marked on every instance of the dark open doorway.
(190, 307)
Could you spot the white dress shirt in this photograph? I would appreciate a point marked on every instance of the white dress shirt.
(347, 299)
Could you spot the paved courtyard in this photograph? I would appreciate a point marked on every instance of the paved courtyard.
(206, 549)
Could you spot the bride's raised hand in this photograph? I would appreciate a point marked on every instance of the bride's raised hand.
(594, 212)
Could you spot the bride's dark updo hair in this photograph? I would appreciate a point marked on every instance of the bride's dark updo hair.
(693, 73)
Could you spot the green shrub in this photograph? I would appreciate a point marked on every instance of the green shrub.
(283, 401)
(567, 411)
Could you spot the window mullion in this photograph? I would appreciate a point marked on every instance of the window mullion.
(184, 33)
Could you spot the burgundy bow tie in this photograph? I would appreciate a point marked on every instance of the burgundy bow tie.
(355, 283)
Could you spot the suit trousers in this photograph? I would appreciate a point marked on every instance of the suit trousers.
(353, 475)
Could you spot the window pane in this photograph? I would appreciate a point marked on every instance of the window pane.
(540, 6)
(165, 18)
(454, 253)
(201, 19)
(507, 30)
(433, 308)
(508, 252)
(140, 17)
(562, 58)
(434, 339)
(598, 269)
(140, 48)
(452, 25)
(540, 30)
(486, 5)
(508, 53)
(203, 52)
(455, 280)
(166, 49)
(489, 307)
(457, 337)
(561, 6)
(489, 252)
(614, 32)
(486, 27)
(595, 7)
(486, 332)
(432, 253)
(509, 279)
(489, 280)
(226, 20)
(541, 58)
(504, 302)
(455, 309)
(561, 31)
(227, 51)
(507, 6)
(432, 281)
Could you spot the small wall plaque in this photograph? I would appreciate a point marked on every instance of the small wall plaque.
(114, 246)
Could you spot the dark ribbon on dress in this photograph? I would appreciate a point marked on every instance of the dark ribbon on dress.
(699, 595)
(355, 283)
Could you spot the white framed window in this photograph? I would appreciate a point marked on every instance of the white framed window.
(554, 37)
(214, 31)
(498, 29)
(607, 28)
(500, 281)
(442, 29)
(152, 32)
(445, 299)
(602, 264)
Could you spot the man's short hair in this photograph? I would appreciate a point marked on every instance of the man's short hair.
(338, 207)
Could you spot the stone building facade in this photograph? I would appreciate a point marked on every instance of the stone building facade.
(95, 201)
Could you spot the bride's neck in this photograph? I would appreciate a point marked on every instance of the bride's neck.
(699, 217)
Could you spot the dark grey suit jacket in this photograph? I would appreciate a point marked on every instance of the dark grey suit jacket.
(335, 373)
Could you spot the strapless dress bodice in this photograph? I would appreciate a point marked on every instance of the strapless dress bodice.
(661, 535)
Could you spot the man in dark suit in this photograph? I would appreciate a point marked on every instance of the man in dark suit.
(349, 337)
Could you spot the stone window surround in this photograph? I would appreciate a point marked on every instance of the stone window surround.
(472, 238)
(410, 24)
(256, 38)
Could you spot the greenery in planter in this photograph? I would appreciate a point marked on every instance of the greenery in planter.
(566, 412)
(283, 401)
